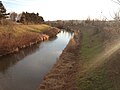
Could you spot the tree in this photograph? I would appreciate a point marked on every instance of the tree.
(116, 1)
(31, 18)
(2, 11)
(116, 14)
(13, 16)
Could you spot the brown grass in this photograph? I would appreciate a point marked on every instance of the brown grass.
(16, 36)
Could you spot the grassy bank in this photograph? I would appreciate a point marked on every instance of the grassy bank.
(91, 43)
(93, 59)
(90, 47)
(13, 37)
(95, 55)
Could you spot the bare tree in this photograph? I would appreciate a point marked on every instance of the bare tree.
(116, 16)
(116, 1)
(13, 16)
(2, 11)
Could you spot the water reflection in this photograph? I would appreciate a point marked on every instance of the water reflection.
(69, 34)
(52, 39)
(9, 60)
(25, 70)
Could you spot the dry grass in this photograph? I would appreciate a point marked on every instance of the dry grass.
(15, 36)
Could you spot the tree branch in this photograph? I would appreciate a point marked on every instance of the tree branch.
(118, 1)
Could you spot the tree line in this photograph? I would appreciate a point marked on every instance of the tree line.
(24, 17)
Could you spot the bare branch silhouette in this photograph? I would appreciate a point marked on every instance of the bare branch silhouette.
(117, 1)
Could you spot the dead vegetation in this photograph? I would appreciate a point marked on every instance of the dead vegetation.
(14, 36)
(63, 74)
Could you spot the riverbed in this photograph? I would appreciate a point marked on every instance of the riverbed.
(26, 69)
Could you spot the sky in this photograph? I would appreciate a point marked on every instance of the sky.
(65, 9)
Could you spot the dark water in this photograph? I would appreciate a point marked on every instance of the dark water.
(26, 69)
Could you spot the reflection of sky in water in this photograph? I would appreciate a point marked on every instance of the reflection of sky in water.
(33, 64)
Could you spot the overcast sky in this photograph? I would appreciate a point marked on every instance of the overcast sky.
(64, 9)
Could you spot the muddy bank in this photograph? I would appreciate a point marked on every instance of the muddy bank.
(63, 74)
(26, 40)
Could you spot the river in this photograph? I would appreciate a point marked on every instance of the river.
(26, 69)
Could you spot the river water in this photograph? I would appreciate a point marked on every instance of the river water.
(26, 69)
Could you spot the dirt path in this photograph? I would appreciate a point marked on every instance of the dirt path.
(63, 74)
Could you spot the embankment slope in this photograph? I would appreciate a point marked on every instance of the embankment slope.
(14, 37)
(89, 62)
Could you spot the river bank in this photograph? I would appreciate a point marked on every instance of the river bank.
(25, 69)
(87, 61)
(63, 73)
(15, 37)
